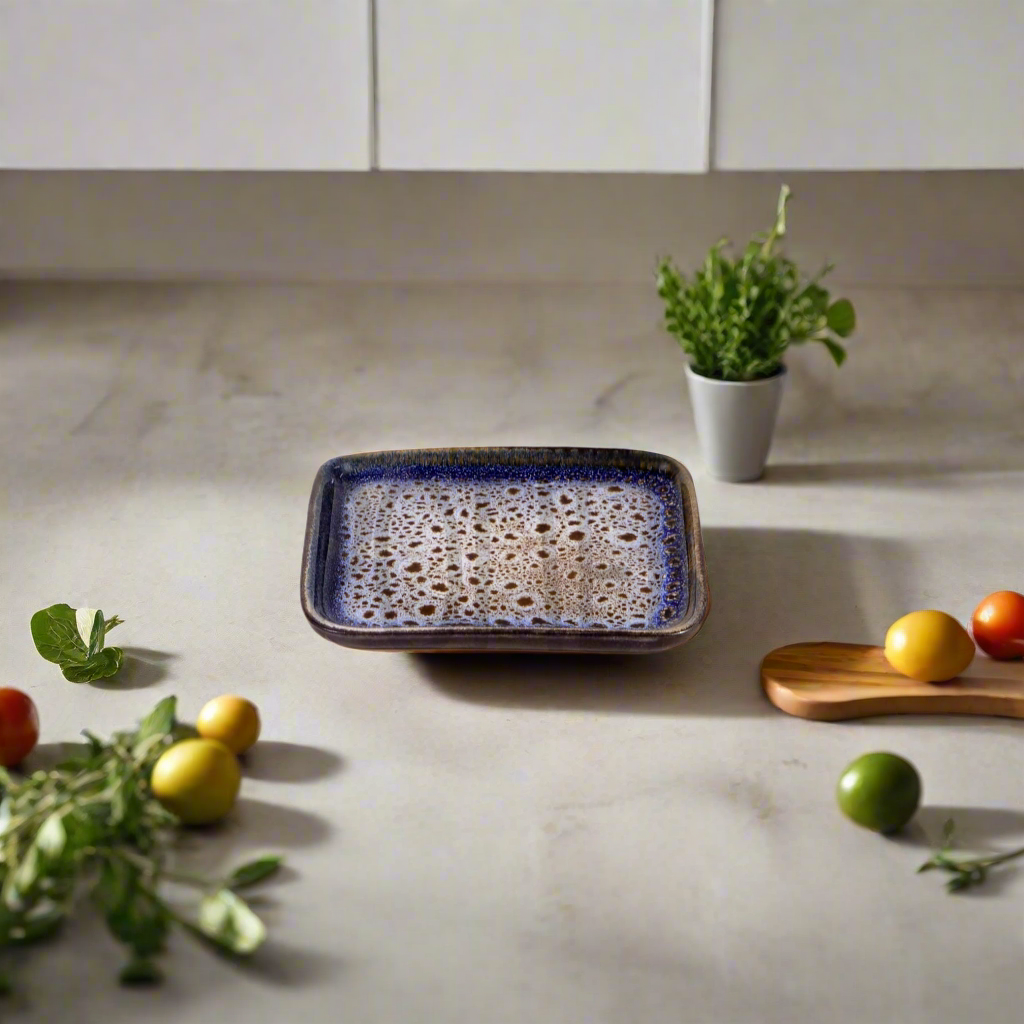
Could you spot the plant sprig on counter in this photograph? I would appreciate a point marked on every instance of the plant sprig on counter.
(73, 638)
(736, 317)
(91, 829)
(965, 871)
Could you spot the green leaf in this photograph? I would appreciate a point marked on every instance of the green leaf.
(948, 828)
(113, 887)
(52, 836)
(227, 920)
(841, 318)
(111, 623)
(140, 971)
(89, 622)
(55, 634)
(25, 876)
(253, 872)
(133, 915)
(102, 665)
(958, 882)
(835, 350)
(159, 722)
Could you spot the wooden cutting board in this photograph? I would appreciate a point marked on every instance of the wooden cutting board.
(830, 682)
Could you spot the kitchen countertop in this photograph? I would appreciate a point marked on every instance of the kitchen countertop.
(509, 839)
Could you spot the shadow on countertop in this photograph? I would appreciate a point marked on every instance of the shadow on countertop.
(768, 588)
(892, 473)
(142, 667)
(276, 761)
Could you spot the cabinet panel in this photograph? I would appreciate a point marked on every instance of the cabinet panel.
(543, 85)
(868, 84)
(185, 84)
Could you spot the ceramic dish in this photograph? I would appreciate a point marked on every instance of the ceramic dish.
(505, 549)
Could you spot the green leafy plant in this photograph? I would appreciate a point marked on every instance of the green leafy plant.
(91, 831)
(737, 316)
(73, 639)
(965, 872)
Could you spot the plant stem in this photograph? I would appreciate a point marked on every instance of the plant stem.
(1002, 858)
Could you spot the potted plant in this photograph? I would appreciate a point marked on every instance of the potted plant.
(734, 320)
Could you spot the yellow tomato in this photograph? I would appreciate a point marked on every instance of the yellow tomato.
(232, 720)
(929, 646)
(197, 780)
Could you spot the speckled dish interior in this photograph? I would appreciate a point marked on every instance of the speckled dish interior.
(505, 549)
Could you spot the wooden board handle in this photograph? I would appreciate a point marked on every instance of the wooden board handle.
(831, 682)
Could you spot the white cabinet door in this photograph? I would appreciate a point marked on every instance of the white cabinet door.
(185, 84)
(869, 84)
(543, 85)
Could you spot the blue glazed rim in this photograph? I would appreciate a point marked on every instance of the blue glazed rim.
(483, 637)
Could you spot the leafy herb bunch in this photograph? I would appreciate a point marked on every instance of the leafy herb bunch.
(91, 826)
(737, 316)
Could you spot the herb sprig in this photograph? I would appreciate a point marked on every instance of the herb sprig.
(73, 638)
(965, 871)
(91, 828)
(737, 316)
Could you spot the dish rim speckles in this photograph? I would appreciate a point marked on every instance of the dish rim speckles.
(482, 636)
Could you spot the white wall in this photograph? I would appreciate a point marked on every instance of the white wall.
(900, 229)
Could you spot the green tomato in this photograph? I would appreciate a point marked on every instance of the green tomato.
(879, 791)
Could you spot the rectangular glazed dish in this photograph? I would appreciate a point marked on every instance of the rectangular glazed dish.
(505, 549)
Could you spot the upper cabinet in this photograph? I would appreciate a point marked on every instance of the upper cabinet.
(185, 84)
(869, 84)
(543, 85)
(512, 85)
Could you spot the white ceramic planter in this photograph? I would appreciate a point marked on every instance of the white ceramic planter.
(735, 421)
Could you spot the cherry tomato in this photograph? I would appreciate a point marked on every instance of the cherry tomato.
(234, 721)
(880, 791)
(197, 780)
(19, 726)
(928, 646)
(998, 625)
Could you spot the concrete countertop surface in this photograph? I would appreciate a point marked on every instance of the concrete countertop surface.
(523, 839)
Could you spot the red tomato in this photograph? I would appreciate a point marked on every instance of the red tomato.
(19, 726)
(998, 625)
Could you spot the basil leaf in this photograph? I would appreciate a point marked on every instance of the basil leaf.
(253, 872)
(24, 878)
(55, 634)
(836, 351)
(133, 916)
(89, 622)
(159, 722)
(74, 640)
(113, 886)
(52, 836)
(101, 665)
(841, 317)
(227, 920)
